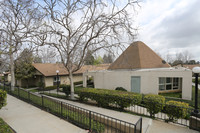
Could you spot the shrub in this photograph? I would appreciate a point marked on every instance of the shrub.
(105, 97)
(176, 110)
(41, 85)
(3, 96)
(154, 103)
(67, 89)
(78, 83)
(120, 89)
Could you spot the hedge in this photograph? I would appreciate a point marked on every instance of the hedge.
(67, 89)
(3, 96)
(105, 97)
(176, 110)
(154, 103)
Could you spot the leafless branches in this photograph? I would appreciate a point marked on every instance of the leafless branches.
(75, 27)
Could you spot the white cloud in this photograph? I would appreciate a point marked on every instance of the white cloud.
(170, 26)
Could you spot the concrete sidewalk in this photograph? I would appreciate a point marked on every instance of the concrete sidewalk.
(163, 127)
(25, 118)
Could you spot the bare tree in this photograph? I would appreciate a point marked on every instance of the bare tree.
(48, 55)
(76, 27)
(18, 20)
(184, 56)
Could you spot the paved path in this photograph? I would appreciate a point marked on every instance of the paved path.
(163, 127)
(25, 118)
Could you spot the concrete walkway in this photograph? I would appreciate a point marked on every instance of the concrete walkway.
(25, 118)
(163, 127)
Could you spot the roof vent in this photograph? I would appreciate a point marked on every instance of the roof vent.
(163, 61)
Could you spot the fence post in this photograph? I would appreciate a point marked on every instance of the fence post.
(90, 121)
(18, 91)
(29, 96)
(42, 101)
(9, 89)
(141, 125)
(61, 111)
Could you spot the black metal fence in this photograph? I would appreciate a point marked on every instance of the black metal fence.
(86, 119)
(181, 116)
(163, 115)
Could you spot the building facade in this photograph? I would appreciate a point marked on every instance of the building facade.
(141, 70)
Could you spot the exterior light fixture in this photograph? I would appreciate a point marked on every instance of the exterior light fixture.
(57, 71)
(196, 71)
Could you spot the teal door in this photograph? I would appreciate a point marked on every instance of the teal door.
(135, 84)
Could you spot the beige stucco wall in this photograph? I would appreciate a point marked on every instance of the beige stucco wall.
(63, 80)
(9, 77)
(48, 81)
(149, 79)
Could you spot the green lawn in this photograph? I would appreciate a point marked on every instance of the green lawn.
(193, 80)
(173, 96)
(4, 127)
(193, 95)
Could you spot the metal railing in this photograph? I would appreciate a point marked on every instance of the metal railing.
(86, 119)
(183, 117)
(142, 110)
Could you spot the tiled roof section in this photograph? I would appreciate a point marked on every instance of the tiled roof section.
(191, 66)
(138, 56)
(48, 69)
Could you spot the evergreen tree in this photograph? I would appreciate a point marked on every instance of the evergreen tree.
(24, 69)
(89, 59)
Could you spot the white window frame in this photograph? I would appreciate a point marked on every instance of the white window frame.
(180, 79)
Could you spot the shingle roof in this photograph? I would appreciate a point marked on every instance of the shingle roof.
(138, 56)
(191, 66)
(49, 69)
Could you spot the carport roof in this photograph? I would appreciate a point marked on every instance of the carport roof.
(49, 69)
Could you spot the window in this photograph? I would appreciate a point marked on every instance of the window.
(55, 79)
(175, 83)
(168, 83)
(161, 83)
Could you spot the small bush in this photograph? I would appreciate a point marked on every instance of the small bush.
(41, 85)
(176, 110)
(154, 103)
(120, 89)
(67, 89)
(3, 96)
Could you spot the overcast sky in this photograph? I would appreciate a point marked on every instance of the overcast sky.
(170, 26)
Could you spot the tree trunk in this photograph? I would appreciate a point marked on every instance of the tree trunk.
(72, 84)
(12, 70)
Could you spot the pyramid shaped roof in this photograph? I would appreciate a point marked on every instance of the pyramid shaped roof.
(138, 56)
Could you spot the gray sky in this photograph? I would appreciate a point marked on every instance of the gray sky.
(170, 26)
